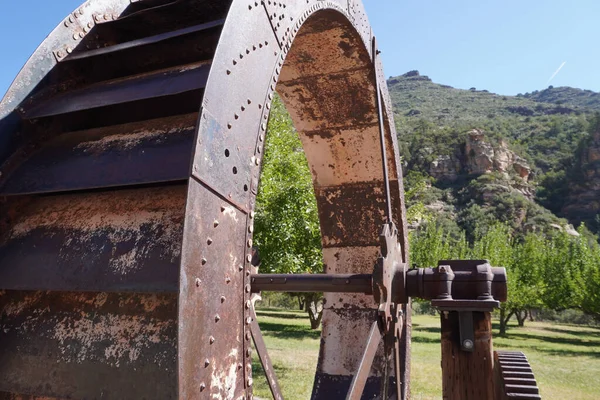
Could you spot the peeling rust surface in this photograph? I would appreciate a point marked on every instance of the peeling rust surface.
(351, 214)
(125, 240)
(128, 340)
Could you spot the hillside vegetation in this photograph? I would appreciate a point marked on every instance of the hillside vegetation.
(476, 157)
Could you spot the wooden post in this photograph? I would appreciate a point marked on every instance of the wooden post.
(467, 375)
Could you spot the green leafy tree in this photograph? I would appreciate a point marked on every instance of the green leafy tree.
(287, 224)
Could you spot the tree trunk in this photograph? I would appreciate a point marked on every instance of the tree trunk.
(301, 302)
(504, 318)
(521, 316)
(313, 304)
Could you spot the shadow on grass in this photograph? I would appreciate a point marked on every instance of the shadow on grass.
(421, 339)
(595, 333)
(557, 340)
(284, 331)
(280, 314)
(426, 329)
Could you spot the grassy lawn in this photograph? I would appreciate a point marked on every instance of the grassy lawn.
(565, 358)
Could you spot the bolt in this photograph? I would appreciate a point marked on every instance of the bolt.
(227, 279)
(247, 288)
(206, 362)
(468, 344)
(209, 241)
(240, 267)
(443, 269)
(59, 54)
(248, 304)
(204, 261)
(249, 258)
(248, 320)
(248, 336)
(257, 161)
(216, 223)
(249, 242)
(198, 281)
(202, 386)
(211, 340)
(69, 50)
(217, 318)
(223, 299)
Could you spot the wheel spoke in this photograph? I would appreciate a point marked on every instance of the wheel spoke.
(360, 378)
(263, 355)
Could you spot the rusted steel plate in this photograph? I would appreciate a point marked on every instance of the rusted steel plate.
(347, 207)
(211, 298)
(96, 345)
(112, 241)
(137, 153)
(164, 83)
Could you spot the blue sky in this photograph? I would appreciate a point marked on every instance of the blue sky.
(505, 46)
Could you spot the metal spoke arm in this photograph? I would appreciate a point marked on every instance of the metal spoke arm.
(263, 355)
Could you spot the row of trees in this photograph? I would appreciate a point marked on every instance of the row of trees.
(556, 271)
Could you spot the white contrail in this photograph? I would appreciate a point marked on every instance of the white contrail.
(556, 72)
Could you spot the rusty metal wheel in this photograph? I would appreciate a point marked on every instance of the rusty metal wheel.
(515, 378)
(130, 155)
(118, 260)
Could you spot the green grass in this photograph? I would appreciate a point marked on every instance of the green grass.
(565, 358)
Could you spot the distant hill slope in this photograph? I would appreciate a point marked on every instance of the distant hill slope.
(568, 96)
(492, 157)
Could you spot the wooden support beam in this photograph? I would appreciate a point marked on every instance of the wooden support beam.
(467, 375)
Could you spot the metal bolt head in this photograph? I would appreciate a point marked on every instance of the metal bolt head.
(227, 279)
(223, 299)
(468, 344)
(217, 318)
(206, 362)
(443, 269)
(211, 340)
(198, 281)
(202, 386)
(248, 304)
(248, 336)
(247, 288)
(248, 320)
(204, 261)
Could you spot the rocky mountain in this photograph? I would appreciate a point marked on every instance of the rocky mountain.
(530, 160)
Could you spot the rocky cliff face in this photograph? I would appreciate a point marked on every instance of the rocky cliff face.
(479, 157)
(583, 203)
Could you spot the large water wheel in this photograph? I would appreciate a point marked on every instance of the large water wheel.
(130, 153)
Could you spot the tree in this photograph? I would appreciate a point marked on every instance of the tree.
(287, 230)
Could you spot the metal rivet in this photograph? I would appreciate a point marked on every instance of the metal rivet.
(228, 126)
(71, 19)
(261, 137)
(209, 241)
(268, 106)
(250, 229)
(240, 267)
(222, 299)
(243, 108)
(252, 214)
(202, 386)
(240, 366)
(206, 362)
(66, 23)
(270, 96)
(249, 101)
(263, 126)
(69, 50)
(198, 281)
(248, 336)
(223, 208)
(248, 304)
(216, 223)
(247, 272)
(257, 161)
(59, 54)
(203, 261)
(75, 37)
(249, 381)
(89, 25)
(217, 318)
(248, 320)
(81, 35)
(211, 340)
(249, 258)
(85, 29)
(227, 279)
(247, 288)
(249, 243)
(248, 352)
